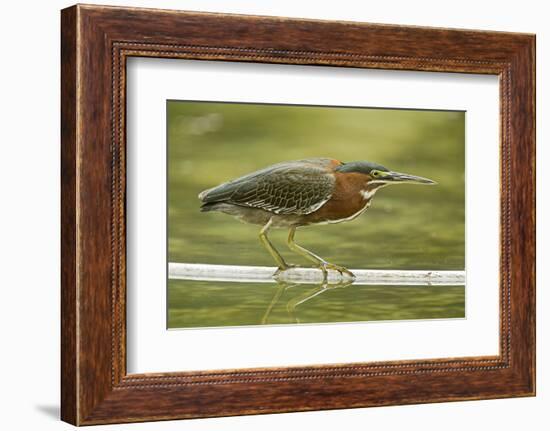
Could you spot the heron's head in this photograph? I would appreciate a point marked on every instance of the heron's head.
(376, 175)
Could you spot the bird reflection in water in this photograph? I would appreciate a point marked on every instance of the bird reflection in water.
(300, 299)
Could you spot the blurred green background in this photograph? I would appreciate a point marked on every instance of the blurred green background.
(407, 226)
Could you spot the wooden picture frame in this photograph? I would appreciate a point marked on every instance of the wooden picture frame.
(95, 43)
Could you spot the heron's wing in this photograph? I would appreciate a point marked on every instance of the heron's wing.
(299, 187)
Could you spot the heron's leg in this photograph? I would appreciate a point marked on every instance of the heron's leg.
(312, 257)
(272, 250)
(322, 264)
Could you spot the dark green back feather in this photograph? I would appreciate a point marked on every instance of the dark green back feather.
(295, 187)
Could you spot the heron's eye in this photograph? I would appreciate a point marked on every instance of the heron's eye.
(375, 174)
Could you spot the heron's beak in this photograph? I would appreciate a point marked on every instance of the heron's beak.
(398, 177)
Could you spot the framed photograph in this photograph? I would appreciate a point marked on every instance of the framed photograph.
(263, 214)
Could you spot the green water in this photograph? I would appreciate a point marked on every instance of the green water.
(407, 226)
(195, 304)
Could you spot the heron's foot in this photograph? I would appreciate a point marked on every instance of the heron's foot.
(346, 276)
(325, 266)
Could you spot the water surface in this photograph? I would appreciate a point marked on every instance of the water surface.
(200, 304)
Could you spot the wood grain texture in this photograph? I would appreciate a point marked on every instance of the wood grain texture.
(69, 371)
(96, 41)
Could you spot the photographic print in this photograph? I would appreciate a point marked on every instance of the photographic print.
(294, 214)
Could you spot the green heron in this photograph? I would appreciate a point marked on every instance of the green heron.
(302, 193)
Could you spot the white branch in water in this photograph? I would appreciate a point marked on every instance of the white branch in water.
(264, 274)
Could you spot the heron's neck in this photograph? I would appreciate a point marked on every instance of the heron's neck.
(370, 190)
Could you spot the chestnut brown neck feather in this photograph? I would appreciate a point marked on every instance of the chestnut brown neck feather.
(347, 199)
